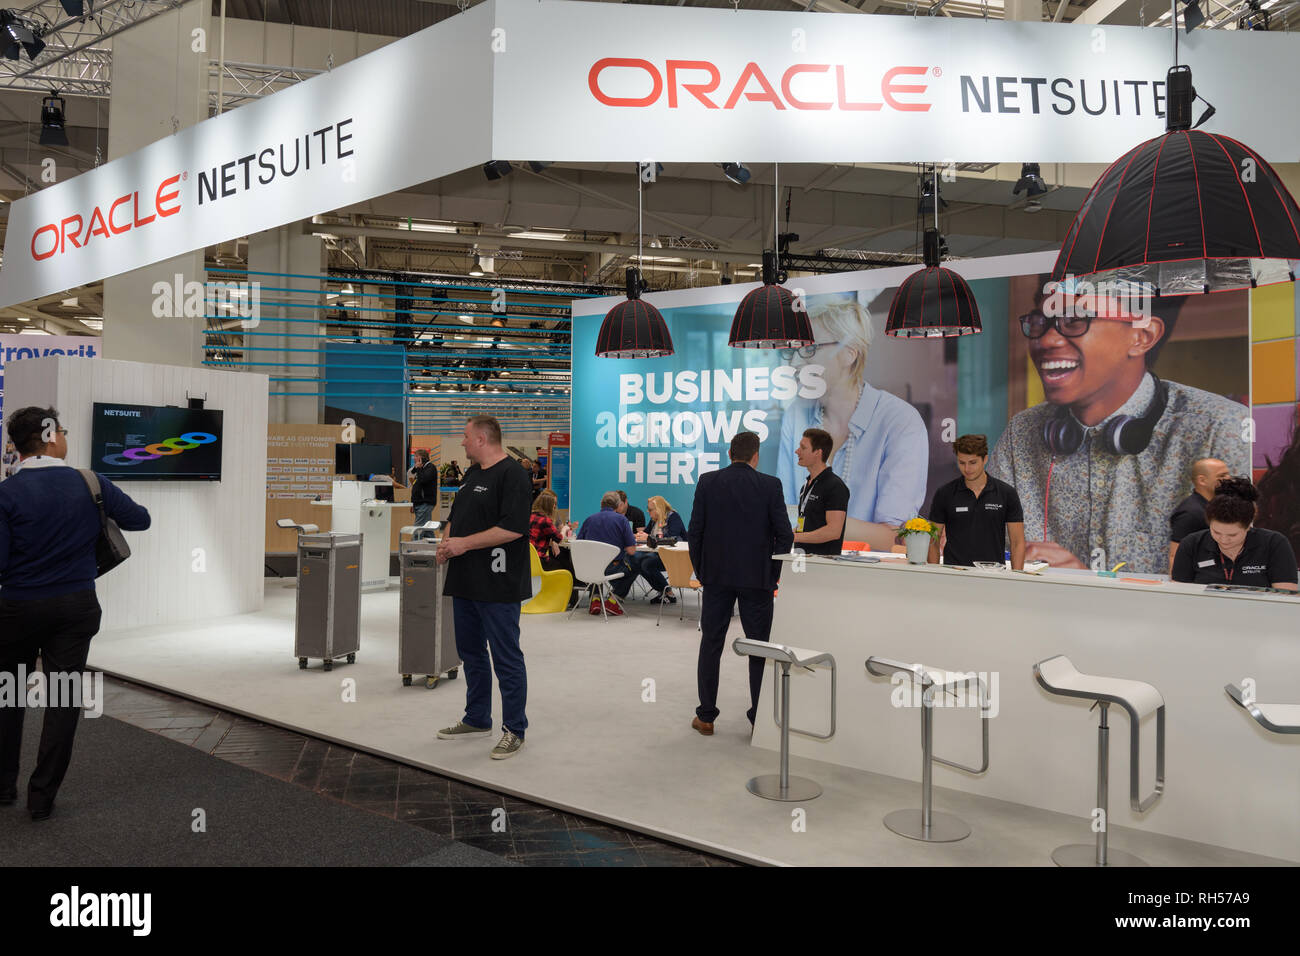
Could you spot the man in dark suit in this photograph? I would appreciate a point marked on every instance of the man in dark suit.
(738, 522)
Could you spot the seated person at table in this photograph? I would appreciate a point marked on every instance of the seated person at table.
(546, 537)
(609, 526)
(1231, 551)
(664, 523)
(631, 512)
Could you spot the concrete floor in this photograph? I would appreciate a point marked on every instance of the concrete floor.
(610, 706)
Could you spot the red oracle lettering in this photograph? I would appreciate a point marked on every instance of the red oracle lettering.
(93, 230)
(768, 94)
(113, 228)
(54, 241)
(888, 88)
(159, 198)
(70, 236)
(697, 90)
(842, 97)
(135, 211)
(593, 81)
(794, 71)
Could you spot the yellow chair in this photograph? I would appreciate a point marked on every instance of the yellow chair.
(557, 586)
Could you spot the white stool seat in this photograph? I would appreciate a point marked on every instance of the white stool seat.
(934, 676)
(1279, 718)
(1058, 675)
(799, 656)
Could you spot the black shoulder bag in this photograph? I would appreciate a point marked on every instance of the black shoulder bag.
(111, 548)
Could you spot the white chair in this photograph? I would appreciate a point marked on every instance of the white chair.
(1057, 675)
(925, 824)
(1278, 718)
(590, 559)
(782, 786)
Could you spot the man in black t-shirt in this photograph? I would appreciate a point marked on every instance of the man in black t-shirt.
(424, 487)
(1189, 516)
(631, 512)
(486, 548)
(976, 512)
(824, 498)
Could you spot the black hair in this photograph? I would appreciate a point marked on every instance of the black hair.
(1279, 493)
(1166, 308)
(821, 442)
(972, 445)
(27, 428)
(1233, 502)
(744, 446)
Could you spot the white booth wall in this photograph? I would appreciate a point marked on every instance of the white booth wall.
(202, 555)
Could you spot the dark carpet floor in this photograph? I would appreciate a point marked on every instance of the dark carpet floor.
(130, 799)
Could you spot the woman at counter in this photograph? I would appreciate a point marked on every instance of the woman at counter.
(1232, 550)
(664, 523)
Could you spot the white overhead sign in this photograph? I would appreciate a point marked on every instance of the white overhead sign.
(568, 81)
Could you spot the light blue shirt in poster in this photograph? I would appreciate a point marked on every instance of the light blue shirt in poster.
(890, 460)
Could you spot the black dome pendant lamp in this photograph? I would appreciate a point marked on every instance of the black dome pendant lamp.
(634, 328)
(769, 317)
(1187, 212)
(933, 302)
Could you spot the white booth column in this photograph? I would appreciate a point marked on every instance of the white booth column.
(160, 85)
(290, 330)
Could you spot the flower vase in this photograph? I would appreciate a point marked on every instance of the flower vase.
(918, 548)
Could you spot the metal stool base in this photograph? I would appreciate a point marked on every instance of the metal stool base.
(768, 786)
(944, 827)
(1085, 854)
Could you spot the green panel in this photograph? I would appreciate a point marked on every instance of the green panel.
(982, 364)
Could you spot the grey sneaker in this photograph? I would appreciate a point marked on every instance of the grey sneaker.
(508, 746)
(461, 729)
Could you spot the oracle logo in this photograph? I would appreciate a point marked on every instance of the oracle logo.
(702, 78)
(54, 238)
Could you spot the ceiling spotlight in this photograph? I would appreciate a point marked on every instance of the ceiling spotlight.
(1030, 182)
(52, 121)
(929, 190)
(1256, 19)
(736, 172)
(18, 34)
(1192, 15)
(497, 169)
(537, 167)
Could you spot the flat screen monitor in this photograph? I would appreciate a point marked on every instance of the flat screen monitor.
(363, 460)
(155, 443)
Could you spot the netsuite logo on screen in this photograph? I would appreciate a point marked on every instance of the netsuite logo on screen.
(172, 446)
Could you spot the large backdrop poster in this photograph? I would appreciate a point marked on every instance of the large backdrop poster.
(1092, 497)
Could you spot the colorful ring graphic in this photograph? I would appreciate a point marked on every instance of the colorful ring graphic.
(134, 456)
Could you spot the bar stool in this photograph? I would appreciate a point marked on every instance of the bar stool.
(782, 786)
(1057, 675)
(1278, 718)
(925, 824)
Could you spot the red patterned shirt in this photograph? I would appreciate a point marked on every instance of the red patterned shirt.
(541, 532)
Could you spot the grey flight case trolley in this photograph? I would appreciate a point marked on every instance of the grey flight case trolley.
(426, 635)
(328, 613)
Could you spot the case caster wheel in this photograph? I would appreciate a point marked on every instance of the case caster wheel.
(329, 664)
(406, 680)
(352, 658)
(451, 674)
(302, 663)
(431, 682)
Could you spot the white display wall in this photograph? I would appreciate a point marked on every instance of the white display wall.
(202, 556)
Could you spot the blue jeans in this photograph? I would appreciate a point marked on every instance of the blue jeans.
(651, 567)
(620, 586)
(423, 513)
(491, 625)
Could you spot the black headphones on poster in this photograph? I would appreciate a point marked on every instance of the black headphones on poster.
(1122, 434)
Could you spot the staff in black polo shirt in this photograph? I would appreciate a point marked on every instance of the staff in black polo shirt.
(487, 547)
(824, 498)
(1189, 516)
(1230, 550)
(977, 512)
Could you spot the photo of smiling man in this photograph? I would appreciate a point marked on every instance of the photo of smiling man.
(1102, 461)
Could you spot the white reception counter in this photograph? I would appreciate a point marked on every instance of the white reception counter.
(1228, 781)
